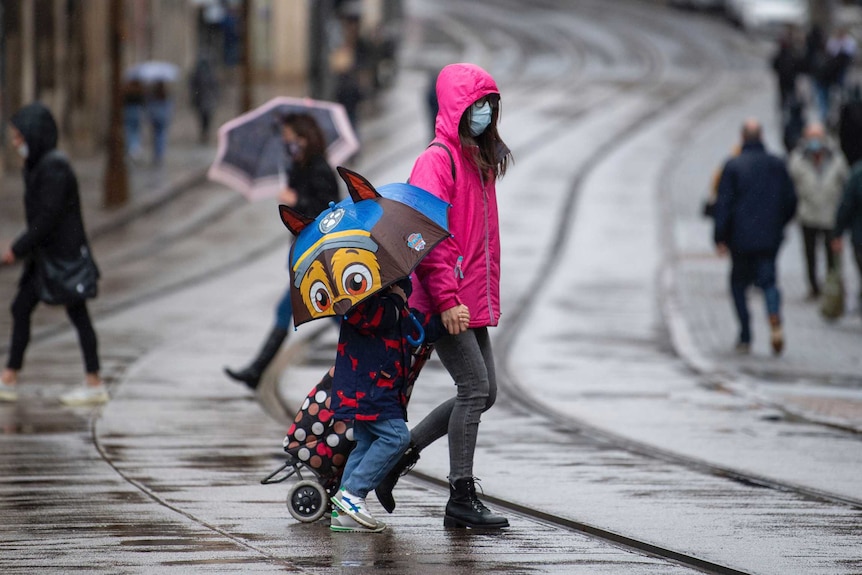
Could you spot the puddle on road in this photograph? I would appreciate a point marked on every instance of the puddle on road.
(42, 416)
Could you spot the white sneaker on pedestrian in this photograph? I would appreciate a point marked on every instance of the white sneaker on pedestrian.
(343, 523)
(8, 393)
(354, 506)
(86, 395)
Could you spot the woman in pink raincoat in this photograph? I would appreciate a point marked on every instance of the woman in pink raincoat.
(461, 166)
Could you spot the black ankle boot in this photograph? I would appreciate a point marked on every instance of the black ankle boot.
(385, 487)
(465, 510)
(250, 375)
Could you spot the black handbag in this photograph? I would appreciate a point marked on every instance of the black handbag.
(64, 281)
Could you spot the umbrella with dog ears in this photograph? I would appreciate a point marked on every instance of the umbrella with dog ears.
(359, 246)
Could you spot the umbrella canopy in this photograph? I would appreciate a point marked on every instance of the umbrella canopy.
(360, 245)
(153, 71)
(251, 157)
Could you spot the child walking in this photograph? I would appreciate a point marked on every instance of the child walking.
(369, 388)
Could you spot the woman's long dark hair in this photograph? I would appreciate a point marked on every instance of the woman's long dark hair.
(494, 156)
(306, 127)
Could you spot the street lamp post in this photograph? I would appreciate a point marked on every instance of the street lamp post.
(116, 183)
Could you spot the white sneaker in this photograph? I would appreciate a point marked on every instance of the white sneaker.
(354, 506)
(8, 392)
(86, 395)
(343, 523)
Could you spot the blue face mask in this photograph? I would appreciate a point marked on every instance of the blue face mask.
(480, 118)
(814, 146)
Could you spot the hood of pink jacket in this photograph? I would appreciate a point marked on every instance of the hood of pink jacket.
(458, 86)
(464, 269)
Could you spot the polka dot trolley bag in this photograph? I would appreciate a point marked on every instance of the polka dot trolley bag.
(318, 444)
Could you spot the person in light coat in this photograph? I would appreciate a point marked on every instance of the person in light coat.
(819, 172)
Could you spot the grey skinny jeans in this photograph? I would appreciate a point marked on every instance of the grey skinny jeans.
(470, 361)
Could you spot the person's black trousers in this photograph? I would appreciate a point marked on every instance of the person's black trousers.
(22, 308)
(810, 236)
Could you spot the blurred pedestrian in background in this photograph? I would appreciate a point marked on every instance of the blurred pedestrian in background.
(311, 185)
(431, 101)
(787, 63)
(134, 98)
(709, 204)
(350, 64)
(461, 166)
(850, 125)
(159, 112)
(849, 217)
(755, 202)
(204, 90)
(54, 236)
(831, 71)
(819, 172)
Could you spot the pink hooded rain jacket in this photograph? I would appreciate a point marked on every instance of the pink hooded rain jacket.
(465, 268)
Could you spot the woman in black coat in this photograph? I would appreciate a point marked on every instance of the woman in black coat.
(311, 185)
(55, 232)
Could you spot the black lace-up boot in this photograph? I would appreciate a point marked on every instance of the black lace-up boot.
(250, 375)
(404, 465)
(465, 510)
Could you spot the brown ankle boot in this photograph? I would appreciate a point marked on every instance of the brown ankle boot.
(776, 335)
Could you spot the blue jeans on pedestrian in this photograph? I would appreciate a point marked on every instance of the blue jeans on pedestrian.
(379, 445)
(284, 311)
(756, 269)
(133, 115)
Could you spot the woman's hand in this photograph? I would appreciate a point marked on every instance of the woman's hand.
(456, 319)
(288, 197)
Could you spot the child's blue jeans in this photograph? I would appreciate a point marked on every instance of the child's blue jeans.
(379, 445)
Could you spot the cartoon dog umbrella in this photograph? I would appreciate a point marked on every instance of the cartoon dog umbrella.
(360, 245)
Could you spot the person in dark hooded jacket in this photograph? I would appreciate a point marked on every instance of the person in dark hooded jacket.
(756, 200)
(55, 229)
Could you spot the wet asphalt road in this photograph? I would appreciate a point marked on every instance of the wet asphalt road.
(599, 106)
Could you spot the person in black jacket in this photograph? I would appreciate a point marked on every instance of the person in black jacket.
(849, 217)
(310, 187)
(55, 230)
(756, 200)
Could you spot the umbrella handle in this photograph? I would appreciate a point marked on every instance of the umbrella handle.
(420, 329)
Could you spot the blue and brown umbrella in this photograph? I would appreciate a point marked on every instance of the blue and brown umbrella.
(360, 246)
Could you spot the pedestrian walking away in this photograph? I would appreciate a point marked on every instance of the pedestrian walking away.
(58, 267)
(756, 200)
(850, 125)
(819, 171)
(787, 63)
(134, 98)
(849, 217)
(461, 166)
(310, 187)
(160, 111)
(204, 89)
